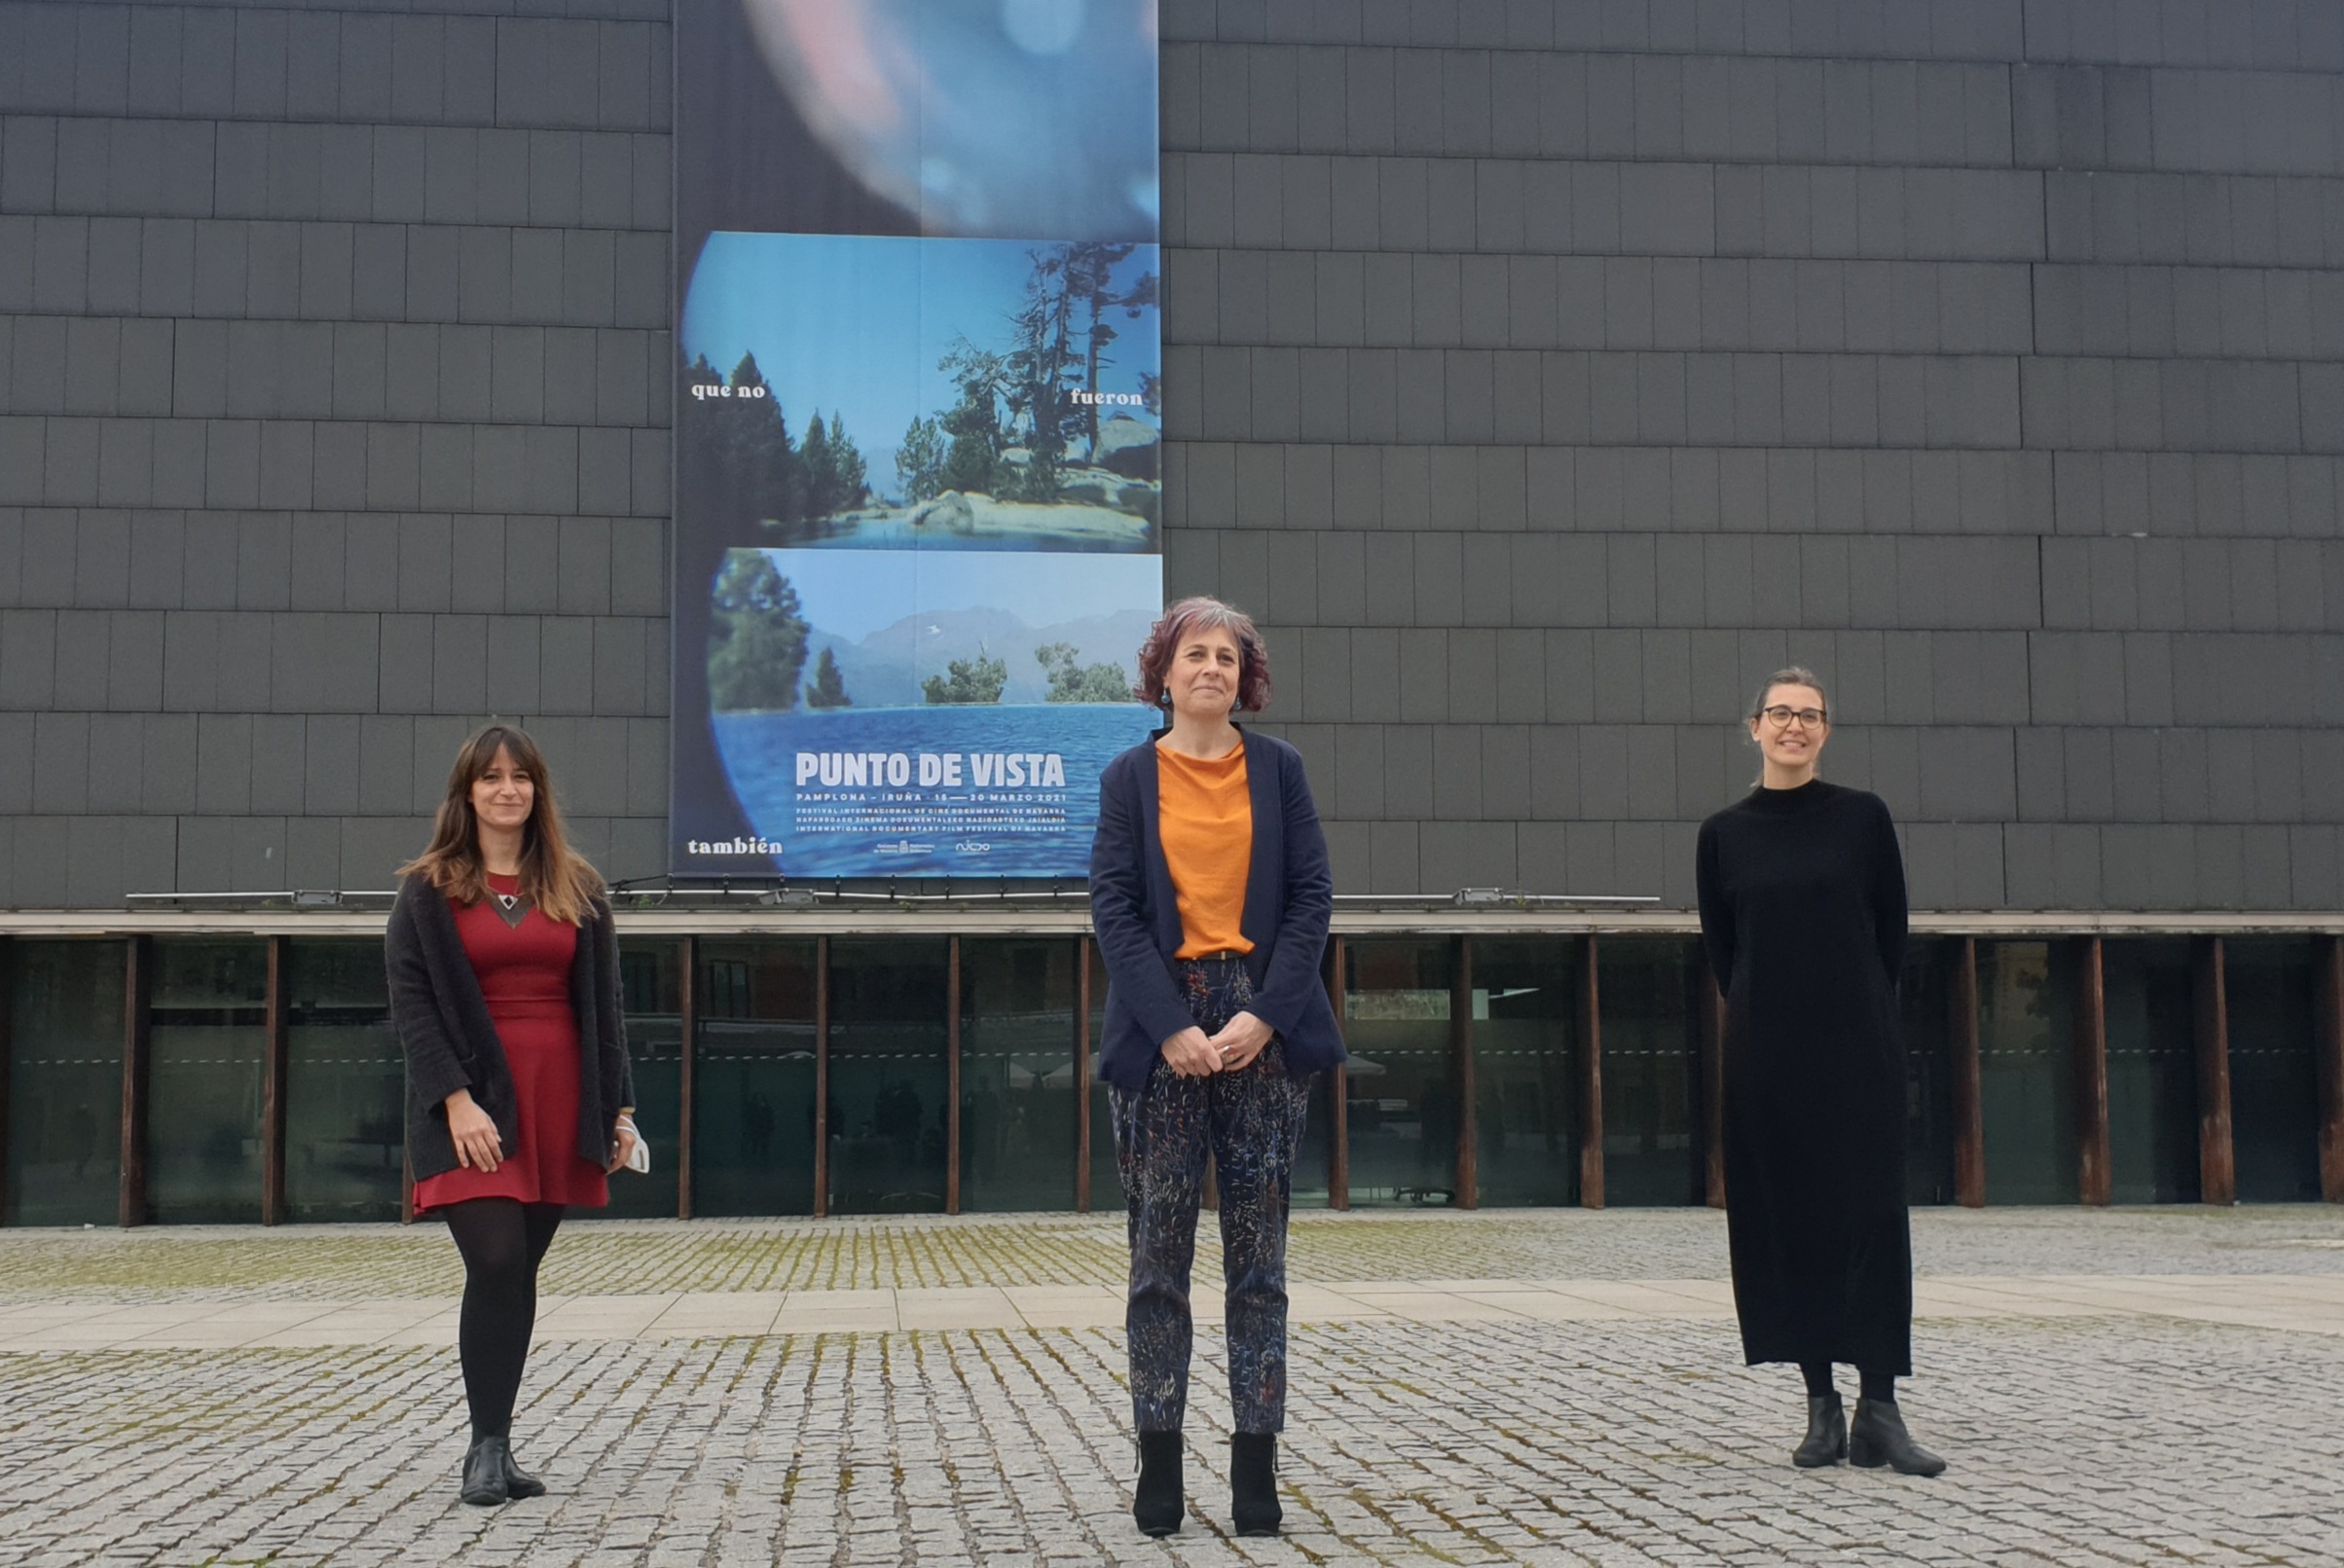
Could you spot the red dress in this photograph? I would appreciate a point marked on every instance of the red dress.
(523, 975)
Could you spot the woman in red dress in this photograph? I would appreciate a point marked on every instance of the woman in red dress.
(504, 990)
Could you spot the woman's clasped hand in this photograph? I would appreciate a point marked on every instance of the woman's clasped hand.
(1194, 1054)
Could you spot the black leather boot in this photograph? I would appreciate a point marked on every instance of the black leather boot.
(1879, 1438)
(1254, 1484)
(484, 1473)
(519, 1482)
(1157, 1501)
(1826, 1441)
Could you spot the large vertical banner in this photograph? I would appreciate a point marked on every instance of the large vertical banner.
(918, 430)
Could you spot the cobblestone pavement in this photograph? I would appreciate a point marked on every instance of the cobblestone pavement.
(361, 1263)
(2137, 1438)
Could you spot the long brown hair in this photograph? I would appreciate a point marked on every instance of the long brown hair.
(554, 877)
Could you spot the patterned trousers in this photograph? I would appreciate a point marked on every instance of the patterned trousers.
(1251, 1122)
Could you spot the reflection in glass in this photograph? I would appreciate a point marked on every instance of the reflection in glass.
(888, 1076)
(1923, 1000)
(2274, 1078)
(346, 1083)
(2025, 1071)
(1525, 1064)
(1646, 989)
(1018, 1074)
(650, 976)
(209, 1021)
(1402, 1083)
(65, 1081)
(2152, 1070)
(753, 1078)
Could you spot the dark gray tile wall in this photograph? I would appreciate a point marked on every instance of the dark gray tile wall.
(1546, 374)
(333, 418)
(1542, 373)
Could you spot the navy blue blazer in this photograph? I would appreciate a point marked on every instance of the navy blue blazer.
(1289, 897)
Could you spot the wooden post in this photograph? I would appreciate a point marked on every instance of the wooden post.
(1339, 1086)
(406, 1189)
(2218, 1164)
(1713, 1027)
(1591, 1082)
(952, 1075)
(1460, 1046)
(2094, 1181)
(138, 1050)
(688, 1030)
(822, 1077)
(1969, 1114)
(2327, 1004)
(1083, 1075)
(276, 1066)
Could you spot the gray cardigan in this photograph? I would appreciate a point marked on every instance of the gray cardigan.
(451, 1042)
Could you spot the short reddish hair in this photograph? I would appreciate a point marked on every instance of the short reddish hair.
(1184, 620)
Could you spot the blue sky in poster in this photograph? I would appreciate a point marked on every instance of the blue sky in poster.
(855, 324)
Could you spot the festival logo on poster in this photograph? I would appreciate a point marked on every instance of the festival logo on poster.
(918, 433)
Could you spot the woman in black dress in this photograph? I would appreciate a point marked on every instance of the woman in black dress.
(1803, 911)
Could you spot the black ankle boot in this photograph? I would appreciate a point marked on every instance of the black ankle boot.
(484, 1474)
(1158, 1502)
(519, 1482)
(1879, 1438)
(1254, 1484)
(1826, 1441)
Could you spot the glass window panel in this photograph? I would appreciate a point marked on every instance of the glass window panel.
(1526, 1067)
(1018, 1074)
(1314, 1157)
(1106, 1181)
(1646, 989)
(1925, 999)
(65, 1081)
(209, 1015)
(753, 1078)
(2146, 992)
(1402, 1083)
(650, 974)
(2274, 1077)
(888, 1076)
(2026, 1070)
(346, 1085)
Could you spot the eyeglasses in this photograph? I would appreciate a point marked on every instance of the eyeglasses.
(1780, 717)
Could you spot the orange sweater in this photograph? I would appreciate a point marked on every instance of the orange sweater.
(1206, 820)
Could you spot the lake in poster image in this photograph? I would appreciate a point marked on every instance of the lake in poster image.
(885, 713)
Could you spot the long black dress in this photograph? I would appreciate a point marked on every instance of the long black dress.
(1803, 911)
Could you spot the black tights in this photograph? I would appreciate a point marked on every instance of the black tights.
(1881, 1386)
(503, 1240)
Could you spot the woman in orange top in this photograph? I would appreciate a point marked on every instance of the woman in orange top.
(1210, 893)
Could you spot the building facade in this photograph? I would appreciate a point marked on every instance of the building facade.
(1541, 373)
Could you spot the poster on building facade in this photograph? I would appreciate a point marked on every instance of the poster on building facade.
(918, 431)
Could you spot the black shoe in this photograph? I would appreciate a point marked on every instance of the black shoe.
(485, 1484)
(1879, 1438)
(1157, 1501)
(1254, 1484)
(519, 1482)
(1826, 1441)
